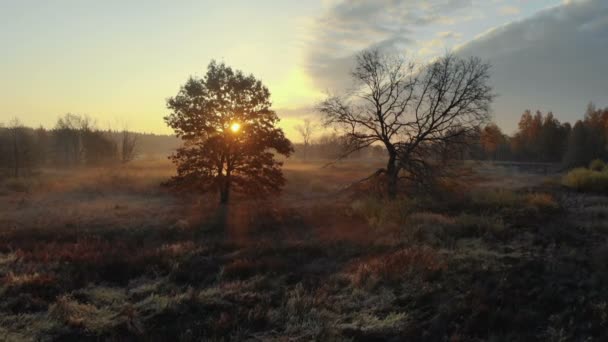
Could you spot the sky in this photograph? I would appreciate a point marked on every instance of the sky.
(118, 61)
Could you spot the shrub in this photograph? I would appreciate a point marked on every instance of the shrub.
(595, 212)
(80, 315)
(542, 202)
(597, 165)
(440, 230)
(379, 212)
(586, 180)
(371, 324)
(496, 198)
(399, 265)
(426, 227)
(28, 279)
(468, 225)
(18, 185)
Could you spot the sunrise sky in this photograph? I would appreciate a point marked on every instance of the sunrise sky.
(118, 61)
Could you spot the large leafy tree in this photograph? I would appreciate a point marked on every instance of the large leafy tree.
(230, 135)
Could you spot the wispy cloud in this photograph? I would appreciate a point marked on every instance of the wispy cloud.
(553, 59)
(509, 10)
(350, 26)
(449, 35)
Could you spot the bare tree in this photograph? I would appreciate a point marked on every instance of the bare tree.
(67, 137)
(15, 127)
(128, 146)
(419, 115)
(306, 131)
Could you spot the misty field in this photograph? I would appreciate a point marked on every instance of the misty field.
(109, 254)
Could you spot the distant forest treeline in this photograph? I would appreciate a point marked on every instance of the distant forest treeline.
(75, 141)
(542, 138)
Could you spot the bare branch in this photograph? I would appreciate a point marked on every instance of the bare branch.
(417, 114)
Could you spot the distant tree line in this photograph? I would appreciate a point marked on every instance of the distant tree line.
(73, 142)
(540, 138)
(332, 146)
(543, 138)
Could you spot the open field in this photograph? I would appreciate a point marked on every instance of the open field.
(109, 255)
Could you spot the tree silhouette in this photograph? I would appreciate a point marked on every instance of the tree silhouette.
(16, 129)
(229, 133)
(419, 115)
(579, 151)
(491, 138)
(128, 146)
(540, 138)
(306, 131)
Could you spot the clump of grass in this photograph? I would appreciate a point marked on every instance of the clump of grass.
(426, 227)
(429, 218)
(300, 314)
(495, 198)
(513, 202)
(177, 249)
(8, 258)
(596, 212)
(441, 230)
(586, 180)
(84, 316)
(375, 324)
(104, 295)
(28, 327)
(597, 165)
(420, 261)
(379, 212)
(242, 268)
(18, 184)
(468, 225)
(27, 279)
(542, 202)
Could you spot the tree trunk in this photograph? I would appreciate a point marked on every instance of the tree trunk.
(225, 190)
(224, 196)
(16, 153)
(392, 172)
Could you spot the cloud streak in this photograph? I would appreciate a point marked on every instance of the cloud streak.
(552, 60)
(353, 25)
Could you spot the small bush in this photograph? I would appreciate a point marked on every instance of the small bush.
(379, 212)
(440, 230)
(28, 279)
(596, 212)
(586, 180)
(18, 185)
(542, 202)
(370, 324)
(80, 315)
(243, 268)
(426, 227)
(597, 165)
(497, 198)
(468, 225)
(419, 261)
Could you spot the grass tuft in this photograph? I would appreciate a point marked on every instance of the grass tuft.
(586, 180)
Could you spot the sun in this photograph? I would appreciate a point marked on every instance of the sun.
(235, 127)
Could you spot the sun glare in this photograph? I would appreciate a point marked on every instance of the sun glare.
(235, 127)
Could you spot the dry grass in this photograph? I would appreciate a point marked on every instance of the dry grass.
(587, 180)
(542, 201)
(27, 279)
(97, 255)
(397, 266)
